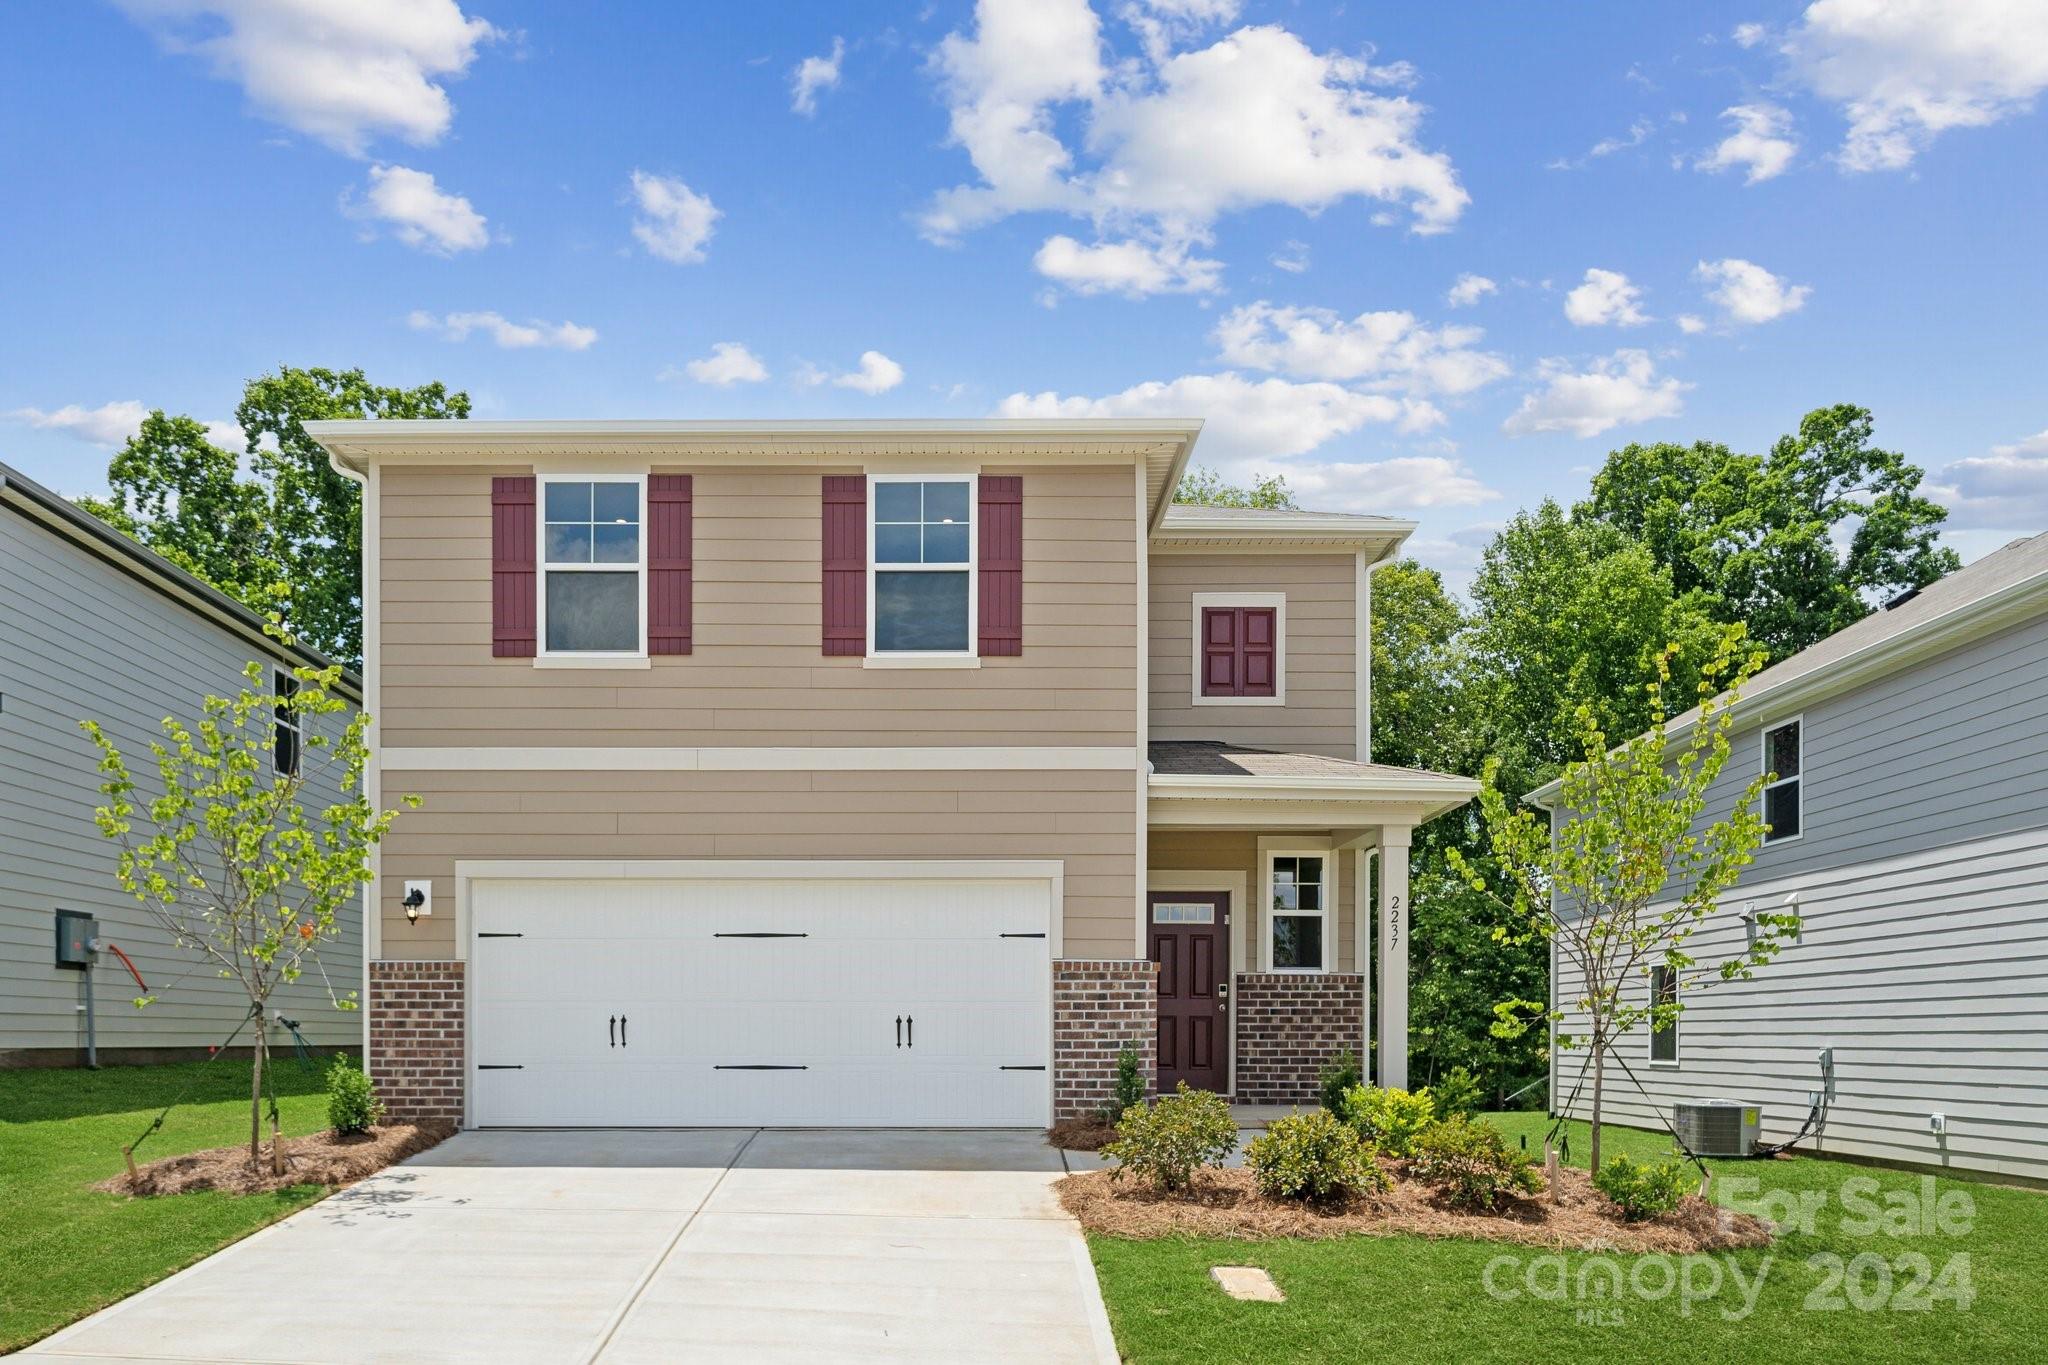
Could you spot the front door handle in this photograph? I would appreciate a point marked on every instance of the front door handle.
(611, 1025)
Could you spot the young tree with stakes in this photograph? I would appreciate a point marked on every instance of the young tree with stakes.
(1629, 832)
(245, 865)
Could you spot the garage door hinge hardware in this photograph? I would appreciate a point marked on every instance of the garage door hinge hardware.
(757, 1066)
(899, 1030)
(1020, 935)
(611, 1024)
(482, 934)
(760, 935)
(497, 1066)
(1020, 1068)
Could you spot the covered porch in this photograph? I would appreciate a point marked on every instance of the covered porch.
(1277, 910)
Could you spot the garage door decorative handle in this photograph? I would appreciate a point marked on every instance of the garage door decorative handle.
(910, 1028)
(622, 1030)
(760, 935)
(757, 1066)
(611, 1024)
(899, 1030)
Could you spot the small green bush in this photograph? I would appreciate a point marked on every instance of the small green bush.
(1387, 1118)
(1643, 1191)
(1315, 1158)
(1164, 1141)
(1472, 1163)
(1130, 1081)
(352, 1103)
(1339, 1074)
(1457, 1094)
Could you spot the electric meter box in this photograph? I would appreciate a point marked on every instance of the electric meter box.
(75, 932)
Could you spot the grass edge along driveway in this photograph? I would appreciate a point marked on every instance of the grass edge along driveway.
(67, 1250)
(1850, 1289)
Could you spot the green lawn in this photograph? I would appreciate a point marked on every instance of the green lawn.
(1406, 1298)
(66, 1250)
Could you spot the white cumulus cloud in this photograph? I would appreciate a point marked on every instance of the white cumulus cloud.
(1391, 351)
(1747, 293)
(728, 364)
(813, 74)
(1762, 143)
(341, 71)
(1606, 298)
(1468, 289)
(1615, 390)
(509, 335)
(1692, 324)
(112, 424)
(1749, 35)
(672, 220)
(419, 212)
(2006, 489)
(875, 374)
(1132, 268)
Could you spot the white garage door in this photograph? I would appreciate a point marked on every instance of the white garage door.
(786, 1002)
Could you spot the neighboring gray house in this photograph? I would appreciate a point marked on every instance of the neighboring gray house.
(1910, 830)
(94, 625)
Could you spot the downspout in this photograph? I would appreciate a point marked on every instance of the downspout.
(373, 786)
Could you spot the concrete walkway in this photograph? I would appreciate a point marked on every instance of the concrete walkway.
(680, 1245)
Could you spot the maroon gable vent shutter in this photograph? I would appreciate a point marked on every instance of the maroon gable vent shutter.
(512, 568)
(668, 564)
(1001, 565)
(844, 550)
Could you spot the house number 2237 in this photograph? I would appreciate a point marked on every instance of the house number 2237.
(1393, 921)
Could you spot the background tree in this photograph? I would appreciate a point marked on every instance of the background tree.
(1207, 488)
(1794, 545)
(247, 867)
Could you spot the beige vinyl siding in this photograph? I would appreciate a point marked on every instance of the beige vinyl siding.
(758, 676)
(1320, 715)
(1087, 820)
(1238, 851)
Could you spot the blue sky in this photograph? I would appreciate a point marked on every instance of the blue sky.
(1690, 222)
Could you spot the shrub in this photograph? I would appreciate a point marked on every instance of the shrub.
(1315, 1158)
(1387, 1118)
(1457, 1094)
(1472, 1163)
(1164, 1141)
(1643, 1191)
(1130, 1081)
(1339, 1074)
(352, 1103)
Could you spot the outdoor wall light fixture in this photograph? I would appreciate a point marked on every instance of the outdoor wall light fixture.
(419, 900)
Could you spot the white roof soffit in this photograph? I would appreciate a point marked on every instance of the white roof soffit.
(1425, 796)
(1163, 444)
(1190, 529)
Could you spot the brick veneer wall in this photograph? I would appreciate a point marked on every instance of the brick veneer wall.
(416, 1038)
(1097, 1007)
(1288, 1025)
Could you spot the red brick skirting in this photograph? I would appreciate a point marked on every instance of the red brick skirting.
(1288, 1025)
(416, 1038)
(1098, 1007)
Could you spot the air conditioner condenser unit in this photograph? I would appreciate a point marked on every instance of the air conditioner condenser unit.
(1718, 1127)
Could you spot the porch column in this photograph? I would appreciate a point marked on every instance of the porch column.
(1393, 949)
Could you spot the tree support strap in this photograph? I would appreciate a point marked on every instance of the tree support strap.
(128, 1152)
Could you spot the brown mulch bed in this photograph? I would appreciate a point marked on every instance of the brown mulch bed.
(1081, 1135)
(1225, 1203)
(322, 1159)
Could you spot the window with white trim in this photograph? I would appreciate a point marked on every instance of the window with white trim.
(1783, 746)
(921, 597)
(1299, 895)
(593, 597)
(286, 735)
(1664, 992)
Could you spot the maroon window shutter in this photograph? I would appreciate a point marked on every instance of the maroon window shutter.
(1219, 652)
(844, 550)
(1255, 651)
(1001, 565)
(512, 568)
(668, 563)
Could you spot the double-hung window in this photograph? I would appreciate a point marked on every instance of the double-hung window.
(1783, 752)
(921, 587)
(1664, 994)
(1299, 894)
(593, 565)
(286, 736)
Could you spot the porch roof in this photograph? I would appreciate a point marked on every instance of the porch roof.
(1209, 782)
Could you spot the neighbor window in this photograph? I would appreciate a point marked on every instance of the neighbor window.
(923, 579)
(591, 560)
(1782, 745)
(1664, 991)
(285, 734)
(1299, 899)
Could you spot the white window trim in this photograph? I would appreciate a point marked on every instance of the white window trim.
(587, 658)
(280, 674)
(1763, 741)
(1297, 847)
(1677, 1040)
(930, 658)
(1205, 600)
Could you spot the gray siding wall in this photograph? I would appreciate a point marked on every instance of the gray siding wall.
(80, 638)
(1922, 880)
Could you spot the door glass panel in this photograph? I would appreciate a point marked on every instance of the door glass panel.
(1190, 913)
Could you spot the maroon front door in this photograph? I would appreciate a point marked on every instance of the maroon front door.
(1191, 943)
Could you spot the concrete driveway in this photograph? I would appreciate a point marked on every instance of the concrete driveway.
(706, 1244)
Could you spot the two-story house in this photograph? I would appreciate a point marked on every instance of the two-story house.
(877, 773)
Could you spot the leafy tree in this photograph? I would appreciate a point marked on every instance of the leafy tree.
(1631, 830)
(244, 866)
(1794, 545)
(1206, 488)
(272, 525)
(1419, 672)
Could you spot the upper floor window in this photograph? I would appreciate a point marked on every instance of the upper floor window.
(286, 736)
(921, 589)
(1240, 648)
(1664, 995)
(1783, 745)
(593, 562)
(1300, 898)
